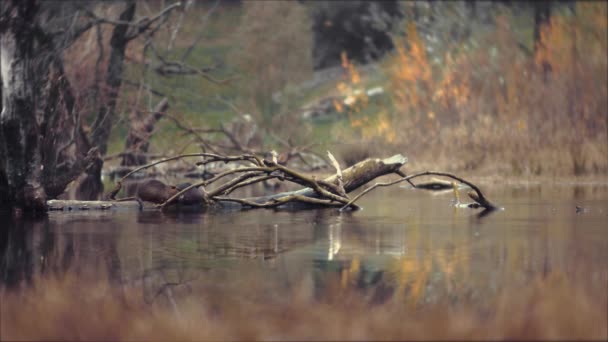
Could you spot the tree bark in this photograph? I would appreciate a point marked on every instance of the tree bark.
(19, 129)
(105, 118)
(140, 131)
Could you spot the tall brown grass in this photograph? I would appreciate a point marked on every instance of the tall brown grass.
(77, 307)
(494, 106)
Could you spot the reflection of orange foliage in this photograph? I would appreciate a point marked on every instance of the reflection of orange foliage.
(350, 275)
(255, 308)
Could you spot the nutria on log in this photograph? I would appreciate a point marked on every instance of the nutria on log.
(192, 196)
(155, 191)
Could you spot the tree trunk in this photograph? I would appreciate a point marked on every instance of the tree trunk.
(19, 129)
(105, 118)
(140, 131)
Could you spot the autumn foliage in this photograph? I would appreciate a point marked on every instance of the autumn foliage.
(497, 106)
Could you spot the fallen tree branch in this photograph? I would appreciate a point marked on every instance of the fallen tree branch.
(328, 192)
(353, 178)
(477, 196)
(212, 157)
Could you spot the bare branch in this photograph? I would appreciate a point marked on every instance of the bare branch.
(113, 193)
(135, 28)
(144, 23)
(148, 88)
(201, 32)
(477, 196)
(222, 189)
(172, 68)
(179, 24)
(248, 182)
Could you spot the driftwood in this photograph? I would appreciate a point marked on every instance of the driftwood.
(68, 205)
(250, 169)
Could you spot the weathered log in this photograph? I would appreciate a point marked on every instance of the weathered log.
(68, 205)
(352, 178)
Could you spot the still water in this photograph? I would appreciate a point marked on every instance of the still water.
(406, 248)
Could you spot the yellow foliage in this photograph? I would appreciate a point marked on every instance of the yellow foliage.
(496, 99)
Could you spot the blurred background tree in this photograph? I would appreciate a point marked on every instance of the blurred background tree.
(273, 49)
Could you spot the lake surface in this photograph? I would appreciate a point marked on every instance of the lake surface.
(537, 269)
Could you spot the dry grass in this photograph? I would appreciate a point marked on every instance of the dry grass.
(76, 307)
(493, 108)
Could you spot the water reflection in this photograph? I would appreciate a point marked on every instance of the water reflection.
(406, 247)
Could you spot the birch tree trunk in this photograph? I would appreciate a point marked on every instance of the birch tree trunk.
(19, 130)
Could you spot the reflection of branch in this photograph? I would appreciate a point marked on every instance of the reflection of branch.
(275, 202)
(477, 196)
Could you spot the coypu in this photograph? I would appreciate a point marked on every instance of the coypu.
(154, 191)
(157, 192)
(192, 196)
(151, 190)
